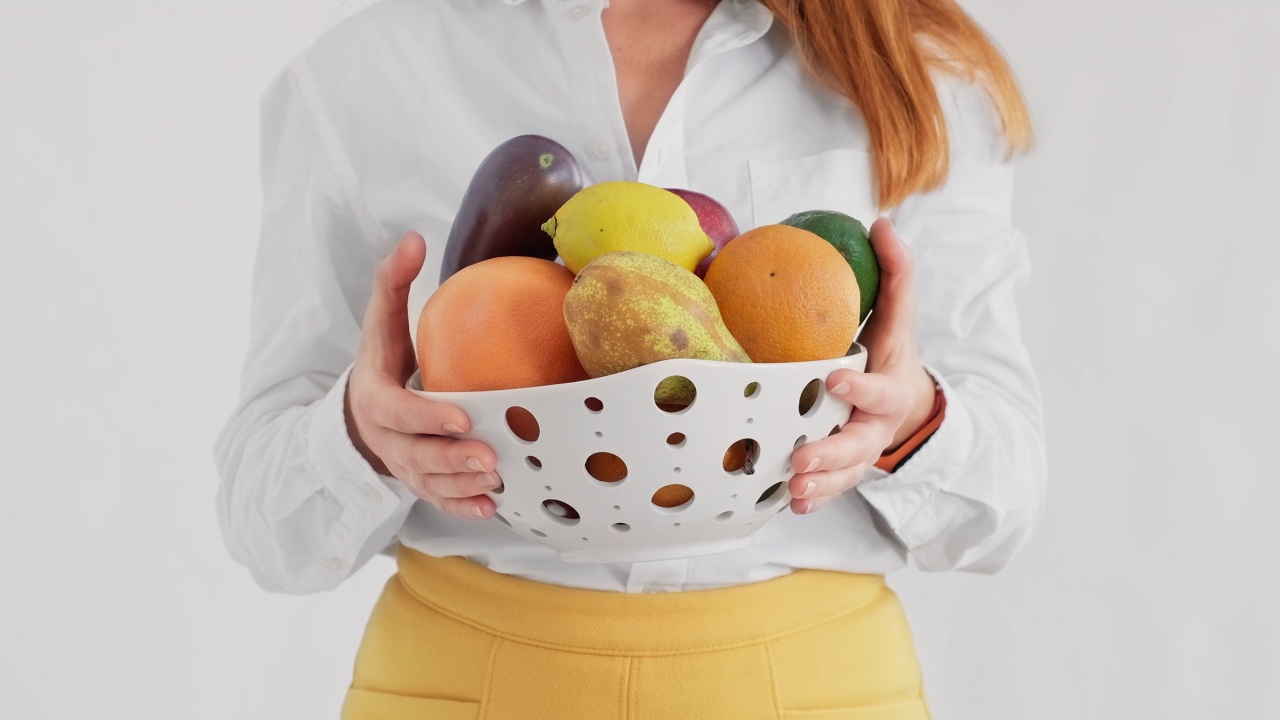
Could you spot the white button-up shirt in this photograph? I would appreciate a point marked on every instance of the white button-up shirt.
(377, 128)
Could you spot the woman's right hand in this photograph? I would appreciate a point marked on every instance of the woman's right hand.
(402, 434)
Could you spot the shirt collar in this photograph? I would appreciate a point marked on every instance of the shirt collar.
(733, 23)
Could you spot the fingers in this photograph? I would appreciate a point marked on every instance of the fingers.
(442, 471)
(389, 405)
(453, 486)
(857, 442)
(421, 455)
(874, 393)
(811, 491)
(477, 508)
(451, 474)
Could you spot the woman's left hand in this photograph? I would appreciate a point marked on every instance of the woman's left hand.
(891, 400)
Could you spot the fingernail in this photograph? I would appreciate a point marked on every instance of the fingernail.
(813, 465)
(809, 488)
(840, 389)
(452, 429)
(475, 510)
(806, 506)
(474, 464)
(487, 480)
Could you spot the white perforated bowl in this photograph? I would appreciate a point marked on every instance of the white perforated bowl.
(617, 521)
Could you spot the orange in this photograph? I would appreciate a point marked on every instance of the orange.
(735, 458)
(671, 496)
(606, 467)
(786, 295)
(496, 325)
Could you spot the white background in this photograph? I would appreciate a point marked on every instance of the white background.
(128, 207)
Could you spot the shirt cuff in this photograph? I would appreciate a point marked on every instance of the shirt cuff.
(905, 496)
(367, 498)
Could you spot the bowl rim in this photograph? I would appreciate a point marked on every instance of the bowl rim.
(414, 382)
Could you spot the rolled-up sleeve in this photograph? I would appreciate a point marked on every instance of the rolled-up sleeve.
(970, 497)
(298, 505)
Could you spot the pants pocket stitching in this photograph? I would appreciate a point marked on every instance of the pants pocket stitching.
(773, 680)
(488, 678)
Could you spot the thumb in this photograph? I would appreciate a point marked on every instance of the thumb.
(896, 298)
(890, 331)
(386, 320)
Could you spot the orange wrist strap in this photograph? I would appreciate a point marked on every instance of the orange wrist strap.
(889, 462)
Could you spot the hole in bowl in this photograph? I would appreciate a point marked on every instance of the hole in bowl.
(741, 457)
(599, 434)
(585, 539)
(769, 496)
(620, 527)
(676, 439)
(675, 525)
(501, 487)
(537, 532)
(810, 398)
(674, 393)
(800, 441)
(534, 463)
(561, 512)
(593, 404)
(751, 390)
(547, 488)
(516, 513)
(606, 467)
(523, 424)
(672, 497)
(834, 430)
(617, 507)
(499, 518)
(724, 516)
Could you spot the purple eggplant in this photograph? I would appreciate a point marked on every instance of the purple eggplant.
(524, 181)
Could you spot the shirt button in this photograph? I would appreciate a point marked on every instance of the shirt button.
(651, 589)
(577, 12)
(601, 150)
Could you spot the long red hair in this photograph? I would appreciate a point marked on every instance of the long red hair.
(879, 54)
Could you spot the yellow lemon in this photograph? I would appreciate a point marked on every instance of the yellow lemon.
(623, 215)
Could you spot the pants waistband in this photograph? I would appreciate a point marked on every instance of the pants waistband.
(619, 623)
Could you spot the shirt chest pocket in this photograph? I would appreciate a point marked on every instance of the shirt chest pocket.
(837, 180)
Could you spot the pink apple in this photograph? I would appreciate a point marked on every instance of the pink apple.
(715, 220)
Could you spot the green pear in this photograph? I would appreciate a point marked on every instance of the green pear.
(628, 309)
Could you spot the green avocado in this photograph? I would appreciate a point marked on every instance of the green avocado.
(850, 237)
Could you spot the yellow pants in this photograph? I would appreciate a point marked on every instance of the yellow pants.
(452, 640)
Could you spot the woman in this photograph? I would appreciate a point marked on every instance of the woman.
(899, 108)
